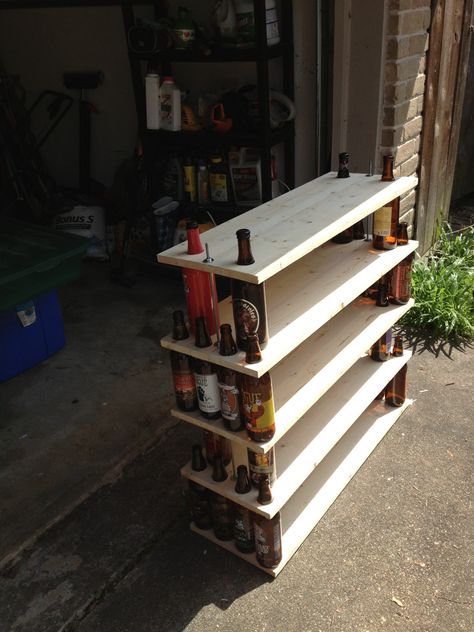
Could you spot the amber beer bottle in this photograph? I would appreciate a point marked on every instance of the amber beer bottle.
(258, 408)
(346, 235)
(261, 465)
(381, 299)
(242, 485)
(248, 299)
(253, 353)
(402, 234)
(400, 282)
(229, 393)
(199, 506)
(183, 377)
(380, 350)
(205, 375)
(264, 492)
(268, 540)
(386, 218)
(395, 392)
(222, 517)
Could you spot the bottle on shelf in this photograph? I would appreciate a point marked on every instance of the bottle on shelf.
(219, 473)
(268, 540)
(385, 219)
(402, 234)
(222, 518)
(244, 11)
(228, 381)
(184, 30)
(199, 287)
(203, 182)
(380, 350)
(358, 230)
(216, 444)
(198, 463)
(400, 281)
(205, 376)
(261, 465)
(258, 408)
(381, 299)
(190, 183)
(244, 535)
(396, 389)
(199, 506)
(345, 236)
(243, 484)
(152, 99)
(248, 299)
(220, 185)
(253, 353)
(170, 105)
(181, 368)
(264, 492)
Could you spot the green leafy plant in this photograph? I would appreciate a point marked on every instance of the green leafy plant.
(443, 287)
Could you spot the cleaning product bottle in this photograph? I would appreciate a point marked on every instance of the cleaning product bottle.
(152, 97)
(184, 30)
(170, 105)
(245, 17)
(220, 187)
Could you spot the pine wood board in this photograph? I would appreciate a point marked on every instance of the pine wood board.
(311, 501)
(289, 227)
(308, 442)
(305, 375)
(321, 285)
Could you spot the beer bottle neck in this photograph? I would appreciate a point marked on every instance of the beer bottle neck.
(387, 173)
(253, 353)
(180, 331)
(227, 344)
(203, 339)
(398, 346)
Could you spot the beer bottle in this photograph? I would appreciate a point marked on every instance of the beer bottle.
(400, 282)
(205, 375)
(229, 394)
(402, 234)
(264, 491)
(244, 536)
(199, 506)
(261, 465)
(183, 376)
(242, 485)
(380, 350)
(222, 519)
(395, 392)
(215, 444)
(258, 409)
(198, 463)
(358, 230)
(347, 234)
(248, 299)
(386, 218)
(253, 353)
(268, 540)
(219, 473)
(382, 293)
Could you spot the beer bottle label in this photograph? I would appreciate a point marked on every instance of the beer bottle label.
(229, 398)
(218, 186)
(401, 280)
(259, 415)
(383, 221)
(184, 383)
(207, 392)
(247, 317)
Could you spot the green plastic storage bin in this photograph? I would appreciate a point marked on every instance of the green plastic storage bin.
(34, 260)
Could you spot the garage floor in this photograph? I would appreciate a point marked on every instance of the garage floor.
(69, 424)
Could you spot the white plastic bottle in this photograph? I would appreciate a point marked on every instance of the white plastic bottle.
(170, 105)
(152, 97)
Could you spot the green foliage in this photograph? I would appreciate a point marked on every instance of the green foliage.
(443, 287)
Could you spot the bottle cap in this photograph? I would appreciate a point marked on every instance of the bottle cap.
(167, 78)
(243, 233)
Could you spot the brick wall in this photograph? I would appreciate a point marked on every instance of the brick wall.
(404, 84)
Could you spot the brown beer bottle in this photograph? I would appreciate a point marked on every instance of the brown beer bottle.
(268, 540)
(358, 230)
(222, 518)
(400, 282)
(396, 389)
(248, 299)
(380, 350)
(346, 235)
(199, 506)
(382, 293)
(244, 536)
(253, 353)
(385, 220)
(242, 485)
(229, 394)
(261, 465)
(198, 463)
(205, 375)
(264, 492)
(402, 234)
(219, 473)
(258, 409)
(183, 376)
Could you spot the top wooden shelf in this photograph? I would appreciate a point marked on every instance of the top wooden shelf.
(289, 227)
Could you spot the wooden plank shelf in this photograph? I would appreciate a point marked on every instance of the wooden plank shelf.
(304, 447)
(301, 378)
(311, 501)
(321, 285)
(291, 226)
